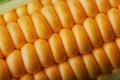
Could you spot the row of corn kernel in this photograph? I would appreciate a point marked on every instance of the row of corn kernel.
(25, 31)
(114, 57)
(17, 70)
(91, 9)
(11, 31)
(110, 48)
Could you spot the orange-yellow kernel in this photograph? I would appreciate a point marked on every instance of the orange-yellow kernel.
(76, 11)
(27, 77)
(69, 43)
(56, 46)
(53, 73)
(27, 28)
(90, 7)
(82, 40)
(40, 76)
(113, 54)
(15, 64)
(22, 11)
(114, 3)
(41, 26)
(91, 65)
(78, 68)
(46, 2)
(44, 53)
(64, 14)
(16, 34)
(114, 17)
(66, 71)
(34, 7)
(6, 44)
(102, 5)
(52, 18)
(10, 16)
(104, 27)
(4, 74)
(102, 60)
(31, 65)
(93, 32)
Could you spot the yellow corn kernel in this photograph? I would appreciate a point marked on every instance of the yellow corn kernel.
(16, 34)
(114, 3)
(6, 44)
(76, 11)
(54, 1)
(34, 7)
(41, 26)
(114, 17)
(4, 74)
(69, 43)
(103, 5)
(43, 52)
(66, 71)
(93, 32)
(27, 28)
(104, 27)
(52, 18)
(2, 22)
(15, 64)
(40, 76)
(64, 14)
(46, 2)
(10, 16)
(91, 65)
(60, 39)
(102, 60)
(22, 11)
(56, 46)
(90, 7)
(82, 40)
(53, 73)
(118, 42)
(31, 65)
(27, 77)
(78, 68)
(112, 53)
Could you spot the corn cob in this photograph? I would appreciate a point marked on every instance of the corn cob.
(60, 39)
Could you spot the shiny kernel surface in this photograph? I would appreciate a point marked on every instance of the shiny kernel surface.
(60, 40)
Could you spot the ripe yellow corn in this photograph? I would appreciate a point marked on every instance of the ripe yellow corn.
(22, 11)
(102, 60)
(26, 77)
(10, 16)
(60, 40)
(40, 76)
(103, 5)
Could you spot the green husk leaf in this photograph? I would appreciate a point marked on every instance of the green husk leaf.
(114, 76)
(7, 5)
